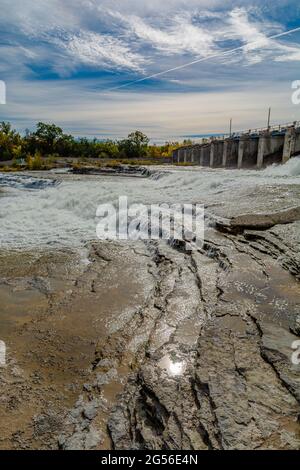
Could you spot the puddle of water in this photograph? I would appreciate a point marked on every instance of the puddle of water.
(18, 307)
(174, 367)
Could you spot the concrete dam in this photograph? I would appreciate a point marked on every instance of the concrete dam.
(252, 149)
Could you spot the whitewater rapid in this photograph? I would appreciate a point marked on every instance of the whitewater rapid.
(57, 210)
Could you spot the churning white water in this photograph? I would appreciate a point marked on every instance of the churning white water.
(36, 211)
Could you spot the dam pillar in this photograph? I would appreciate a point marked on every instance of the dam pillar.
(270, 148)
(230, 153)
(180, 155)
(289, 144)
(211, 155)
(205, 155)
(201, 156)
(247, 151)
(216, 153)
(262, 148)
(224, 156)
(241, 151)
(184, 155)
(197, 154)
(175, 156)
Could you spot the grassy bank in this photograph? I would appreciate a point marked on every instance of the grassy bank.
(46, 165)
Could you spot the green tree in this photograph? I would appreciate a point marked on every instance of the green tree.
(5, 128)
(34, 162)
(10, 140)
(135, 146)
(47, 136)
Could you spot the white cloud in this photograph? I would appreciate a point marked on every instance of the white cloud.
(290, 54)
(129, 34)
(200, 33)
(242, 26)
(70, 35)
(102, 50)
(177, 36)
(83, 111)
(34, 17)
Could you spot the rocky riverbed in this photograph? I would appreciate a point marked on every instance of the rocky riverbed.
(145, 345)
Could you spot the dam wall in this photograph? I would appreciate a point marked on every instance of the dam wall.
(251, 149)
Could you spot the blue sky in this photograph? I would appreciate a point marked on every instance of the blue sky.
(83, 64)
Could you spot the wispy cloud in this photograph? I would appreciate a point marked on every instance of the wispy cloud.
(91, 33)
(256, 33)
(100, 50)
(177, 36)
(108, 43)
(83, 111)
(201, 33)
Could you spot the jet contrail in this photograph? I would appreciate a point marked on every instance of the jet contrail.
(203, 59)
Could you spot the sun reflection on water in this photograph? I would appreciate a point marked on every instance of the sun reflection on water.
(173, 367)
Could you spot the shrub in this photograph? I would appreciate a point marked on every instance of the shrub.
(34, 162)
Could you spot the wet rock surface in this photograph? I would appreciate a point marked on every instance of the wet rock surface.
(50, 336)
(118, 169)
(218, 376)
(144, 345)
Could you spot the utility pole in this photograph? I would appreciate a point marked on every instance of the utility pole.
(269, 118)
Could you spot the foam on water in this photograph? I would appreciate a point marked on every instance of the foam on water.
(25, 182)
(291, 168)
(38, 212)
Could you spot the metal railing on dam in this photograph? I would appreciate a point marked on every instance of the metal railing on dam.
(255, 148)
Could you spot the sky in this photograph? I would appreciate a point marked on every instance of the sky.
(104, 68)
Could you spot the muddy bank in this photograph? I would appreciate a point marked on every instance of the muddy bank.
(55, 308)
(143, 345)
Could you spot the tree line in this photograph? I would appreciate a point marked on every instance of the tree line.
(49, 141)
